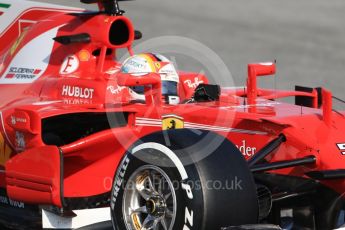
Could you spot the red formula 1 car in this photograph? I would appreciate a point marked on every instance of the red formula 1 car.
(87, 140)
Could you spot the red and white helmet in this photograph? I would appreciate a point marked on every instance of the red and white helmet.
(142, 64)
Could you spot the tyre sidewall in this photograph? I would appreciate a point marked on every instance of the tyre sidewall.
(189, 211)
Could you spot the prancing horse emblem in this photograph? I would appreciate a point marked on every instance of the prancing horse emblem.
(172, 122)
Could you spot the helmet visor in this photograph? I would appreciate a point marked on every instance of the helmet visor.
(169, 88)
(138, 89)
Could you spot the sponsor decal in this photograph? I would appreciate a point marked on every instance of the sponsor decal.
(141, 121)
(20, 141)
(268, 104)
(76, 101)
(5, 151)
(188, 218)
(69, 65)
(119, 180)
(28, 10)
(173, 100)
(3, 7)
(84, 55)
(23, 28)
(246, 150)
(165, 68)
(194, 84)
(133, 64)
(17, 43)
(341, 147)
(7, 201)
(20, 120)
(24, 70)
(158, 65)
(137, 65)
(22, 73)
(14, 120)
(77, 92)
(188, 214)
(45, 102)
(168, 72)
(115, 89)
(24, 25)
(172, 122)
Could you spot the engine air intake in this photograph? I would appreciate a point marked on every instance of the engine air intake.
(119, 33)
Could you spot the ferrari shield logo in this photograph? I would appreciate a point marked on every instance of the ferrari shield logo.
(158, 65)
(172, 122)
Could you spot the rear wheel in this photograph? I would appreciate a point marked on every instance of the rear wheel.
(163, 183)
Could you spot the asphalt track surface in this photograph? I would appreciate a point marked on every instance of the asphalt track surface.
(307, 38)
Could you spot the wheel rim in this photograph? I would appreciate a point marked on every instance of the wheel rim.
(149, 200)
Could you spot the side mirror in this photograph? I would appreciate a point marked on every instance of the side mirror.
(151, 82)
(254, 71)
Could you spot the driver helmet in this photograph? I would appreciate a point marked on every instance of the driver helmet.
(141, 64)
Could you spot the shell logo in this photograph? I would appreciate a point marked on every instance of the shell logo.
(84, 55)
(5, 151)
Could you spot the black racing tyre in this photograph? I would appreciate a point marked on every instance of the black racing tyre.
(329, 209)
(162, 184)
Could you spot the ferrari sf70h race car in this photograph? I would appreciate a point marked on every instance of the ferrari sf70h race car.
(89, 141)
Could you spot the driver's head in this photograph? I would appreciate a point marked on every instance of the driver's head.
(142, 64)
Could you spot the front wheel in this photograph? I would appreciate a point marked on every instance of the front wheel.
(151, 200)
(164, 184)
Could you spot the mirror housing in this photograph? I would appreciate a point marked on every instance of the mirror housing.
(254, 71)
(151, 82)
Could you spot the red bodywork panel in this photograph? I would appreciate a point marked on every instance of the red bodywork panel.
(39, 183)
(83, 79)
